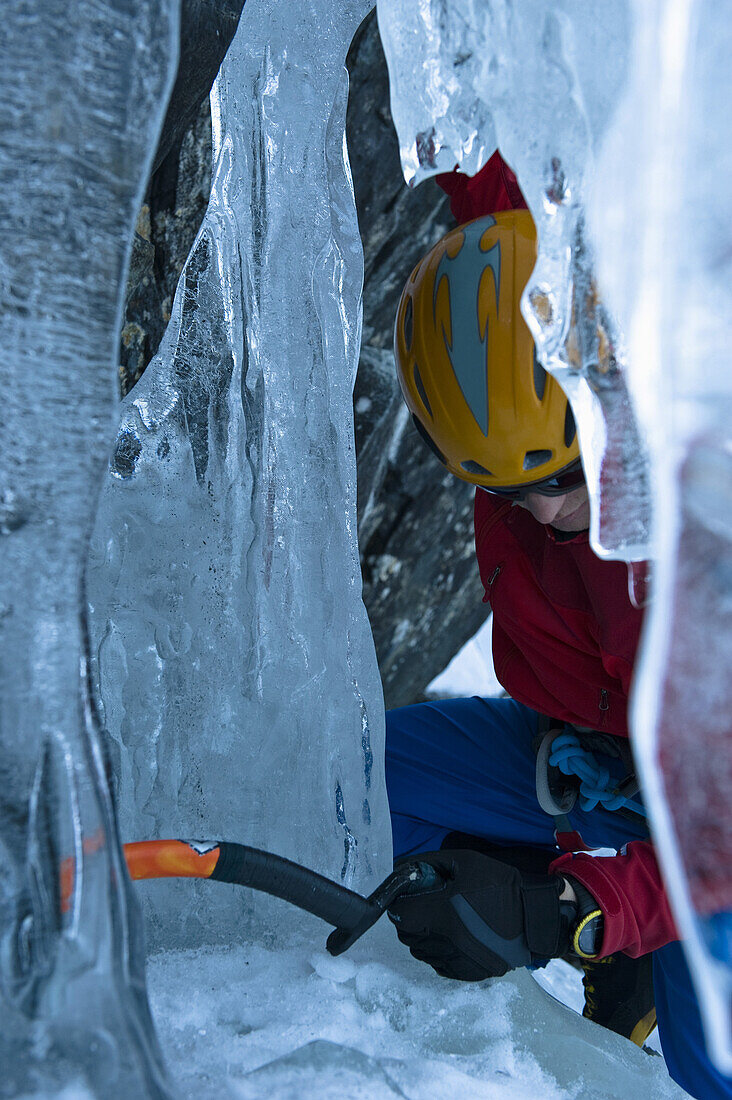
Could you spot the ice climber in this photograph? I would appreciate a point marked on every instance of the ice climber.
(465, 776)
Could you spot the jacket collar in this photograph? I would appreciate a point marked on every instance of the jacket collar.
(562, 537)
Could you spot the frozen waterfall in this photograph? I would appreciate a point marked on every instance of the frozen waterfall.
(207, 669)
(673, 291)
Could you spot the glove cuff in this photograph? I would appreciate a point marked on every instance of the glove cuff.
(588, 927)
(547, 921)
(555, 928)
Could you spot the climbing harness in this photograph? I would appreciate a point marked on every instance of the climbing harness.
(567, 770)
(596, 786)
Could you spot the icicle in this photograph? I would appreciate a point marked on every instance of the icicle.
(539, 82)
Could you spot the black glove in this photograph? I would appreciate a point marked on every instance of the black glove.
(484, 917)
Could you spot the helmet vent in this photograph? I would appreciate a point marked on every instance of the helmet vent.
(532, 459)
(570, 429)
(539, 377)
(428, 439)
(408, 322)
(421, 390)
(472, 467)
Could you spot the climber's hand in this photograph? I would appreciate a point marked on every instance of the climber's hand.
(484, 918)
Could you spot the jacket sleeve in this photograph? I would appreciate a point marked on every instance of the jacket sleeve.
(629, 890)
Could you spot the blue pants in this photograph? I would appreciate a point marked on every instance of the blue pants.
(468, 765)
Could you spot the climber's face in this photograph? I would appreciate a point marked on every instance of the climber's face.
(561, 499)
(570, 512)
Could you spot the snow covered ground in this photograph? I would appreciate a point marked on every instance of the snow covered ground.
(470, 672)
(280, 1018)
(285, 1020)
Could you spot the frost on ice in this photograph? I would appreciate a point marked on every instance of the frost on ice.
(83, 89)
(541, 82)
(295, 1024)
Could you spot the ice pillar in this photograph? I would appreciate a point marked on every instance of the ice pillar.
(664, 228)
(237, 673)
(84, 86)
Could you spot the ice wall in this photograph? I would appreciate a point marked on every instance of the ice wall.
(237, 674)
(539, 81)
(665, 237)
(83, 89)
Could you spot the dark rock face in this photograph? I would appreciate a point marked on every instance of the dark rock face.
(179, 187)
(421, 583)
(206, 30)
(166, 228)
(398, 225)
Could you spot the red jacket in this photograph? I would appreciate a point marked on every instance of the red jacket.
(565, 634)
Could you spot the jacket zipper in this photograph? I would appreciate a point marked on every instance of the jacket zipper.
(493, 576)
(489, 585)
(604, 706)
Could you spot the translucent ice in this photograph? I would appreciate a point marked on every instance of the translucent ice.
(324, 1069)
(238, 679)
(82, 91)
(539, 81)
(673, 289)
(281, 1023)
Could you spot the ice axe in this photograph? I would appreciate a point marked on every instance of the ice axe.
(350, 913)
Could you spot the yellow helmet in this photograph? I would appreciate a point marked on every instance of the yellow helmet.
(467, 363)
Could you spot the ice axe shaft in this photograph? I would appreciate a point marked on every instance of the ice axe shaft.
(225, 861)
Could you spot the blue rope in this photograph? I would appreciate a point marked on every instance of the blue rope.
(568, 755)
